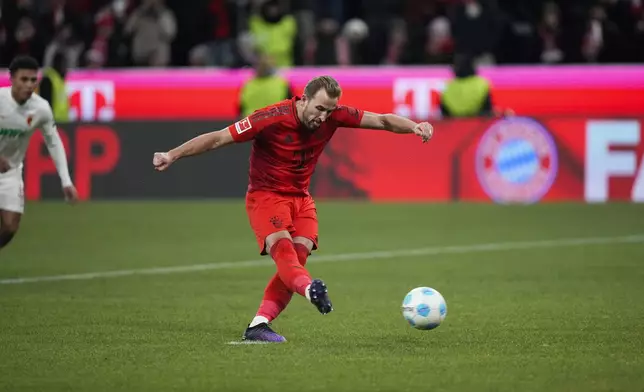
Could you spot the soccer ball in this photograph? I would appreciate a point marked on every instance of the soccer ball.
(424, 308)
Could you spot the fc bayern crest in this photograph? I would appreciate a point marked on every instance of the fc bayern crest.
(516, 161)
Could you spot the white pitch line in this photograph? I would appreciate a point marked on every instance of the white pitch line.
(386, 254)
(248, 342)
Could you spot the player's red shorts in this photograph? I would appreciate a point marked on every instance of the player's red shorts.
(270, 212)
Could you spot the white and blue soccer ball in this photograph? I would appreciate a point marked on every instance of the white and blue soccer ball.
(424, 308)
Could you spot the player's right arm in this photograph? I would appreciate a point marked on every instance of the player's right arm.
(241, 131)
(195, 146)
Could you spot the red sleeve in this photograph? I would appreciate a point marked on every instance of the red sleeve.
(347, 116)
(247, 128)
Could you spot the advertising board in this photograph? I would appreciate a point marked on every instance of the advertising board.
(212, 94)
(508, 160)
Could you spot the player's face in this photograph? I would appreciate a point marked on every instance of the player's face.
(23, 83)
(318, 109)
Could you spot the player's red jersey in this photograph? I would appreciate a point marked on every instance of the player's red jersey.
(284, 152)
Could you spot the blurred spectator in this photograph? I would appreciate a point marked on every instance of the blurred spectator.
(550, 34)
(385, 40)
(153, 28)
(594, 39)
(322, 35)
(468, 94)
(199, 56)
(334, 45)
(52, 87)
(322, 47)
(221, 34)
(304, 12)
(427, 36)
(20, 33)
(606, 39)
(440, 44)
(518, 41)
(67, 29)
(352, 43)
(68, 43)
(109, 47)
(194, 26)
(476, 29)
(324, 41)
(274, 32)
(60, 16)
(264, 88)
(120, 33)
(638, 37)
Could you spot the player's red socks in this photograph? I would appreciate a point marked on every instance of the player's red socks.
(289, 269)
(277, 295)
(302, 253)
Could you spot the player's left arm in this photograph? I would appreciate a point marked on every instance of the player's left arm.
(387, 122)
(57, 151)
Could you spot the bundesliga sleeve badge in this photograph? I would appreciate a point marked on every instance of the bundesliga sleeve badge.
(243, 125)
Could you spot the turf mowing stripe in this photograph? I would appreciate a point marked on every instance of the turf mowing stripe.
(437, 250)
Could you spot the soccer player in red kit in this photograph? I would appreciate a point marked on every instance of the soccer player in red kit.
(288, 138)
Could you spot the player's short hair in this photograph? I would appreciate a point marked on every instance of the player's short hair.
(23, 62)
(328, 83)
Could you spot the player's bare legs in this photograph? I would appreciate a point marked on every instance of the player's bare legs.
(9, 224)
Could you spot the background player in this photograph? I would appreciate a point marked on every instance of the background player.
(288, 138)
(21, 113)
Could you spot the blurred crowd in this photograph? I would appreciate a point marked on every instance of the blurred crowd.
(233, 33)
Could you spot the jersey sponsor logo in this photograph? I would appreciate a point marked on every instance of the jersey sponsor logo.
(15, 133)
(516, 161)
(243, 125)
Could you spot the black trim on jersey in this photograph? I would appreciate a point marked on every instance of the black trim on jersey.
(269, 112)
(294, 109)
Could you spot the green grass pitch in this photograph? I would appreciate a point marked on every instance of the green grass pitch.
(551, 317)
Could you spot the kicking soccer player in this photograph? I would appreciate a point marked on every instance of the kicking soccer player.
(21, 113)
(288, 138)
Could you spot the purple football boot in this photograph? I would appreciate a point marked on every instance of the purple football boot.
(262, 333)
